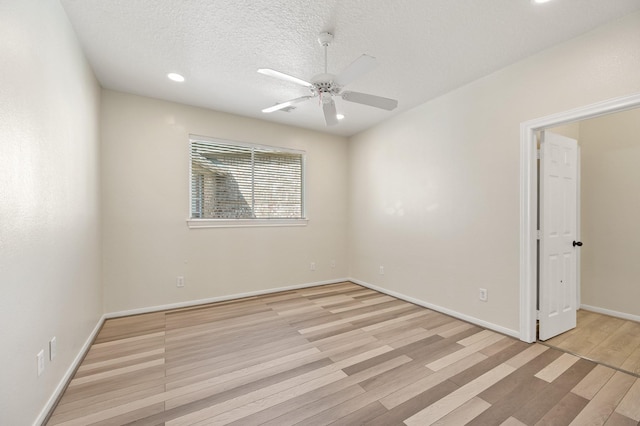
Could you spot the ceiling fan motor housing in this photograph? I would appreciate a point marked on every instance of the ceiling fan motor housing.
(323, 84)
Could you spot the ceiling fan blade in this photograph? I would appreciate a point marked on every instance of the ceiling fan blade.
(360, 66)
(371, 100)
(286, 104)
(330, 114)
(283, 76)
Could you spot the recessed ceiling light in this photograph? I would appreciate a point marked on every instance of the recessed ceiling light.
(339, 116)
(175, 77)
(539, 1)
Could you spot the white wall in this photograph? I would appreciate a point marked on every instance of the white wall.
(434, 192)
(49, 203)
(610, 178)
(147, 244)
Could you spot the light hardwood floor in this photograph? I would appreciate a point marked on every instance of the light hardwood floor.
(337, 354)
(604, 339)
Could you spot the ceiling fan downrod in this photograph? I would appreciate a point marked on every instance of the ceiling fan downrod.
(325, 39)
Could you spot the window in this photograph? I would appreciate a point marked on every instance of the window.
(236, 183)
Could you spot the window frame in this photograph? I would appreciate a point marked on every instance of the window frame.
(195, 223)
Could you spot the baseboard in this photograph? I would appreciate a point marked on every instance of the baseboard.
(46, 411)
(189, 303)
(62, 385)
(611, 313)
(463, 317)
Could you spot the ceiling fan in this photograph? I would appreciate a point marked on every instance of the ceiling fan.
(325, 85)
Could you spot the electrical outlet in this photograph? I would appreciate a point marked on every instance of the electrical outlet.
(381, 270)
(312, 267)
(483, 294)
(53, 348)
(40, 359)
(180, 282)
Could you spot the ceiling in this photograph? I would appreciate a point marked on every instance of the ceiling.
(424, 48)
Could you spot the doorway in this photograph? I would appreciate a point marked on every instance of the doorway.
(529, 201)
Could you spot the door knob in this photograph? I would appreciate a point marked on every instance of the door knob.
(577, 243)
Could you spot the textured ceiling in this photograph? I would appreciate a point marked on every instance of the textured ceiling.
(424, 47)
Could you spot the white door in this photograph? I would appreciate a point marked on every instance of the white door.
(558, 218)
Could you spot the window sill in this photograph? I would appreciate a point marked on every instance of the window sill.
(243, 223)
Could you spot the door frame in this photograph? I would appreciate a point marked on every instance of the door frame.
(529, 202)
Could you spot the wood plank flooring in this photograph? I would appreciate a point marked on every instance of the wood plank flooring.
(608, 340)
(337, 354)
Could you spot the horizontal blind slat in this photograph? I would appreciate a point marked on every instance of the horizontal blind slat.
(227, 183)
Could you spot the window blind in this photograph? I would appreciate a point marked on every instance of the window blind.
(242, 181)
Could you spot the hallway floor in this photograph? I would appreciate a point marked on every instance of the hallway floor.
(607, 340)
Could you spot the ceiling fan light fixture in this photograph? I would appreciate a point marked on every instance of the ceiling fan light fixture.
(175, 77)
